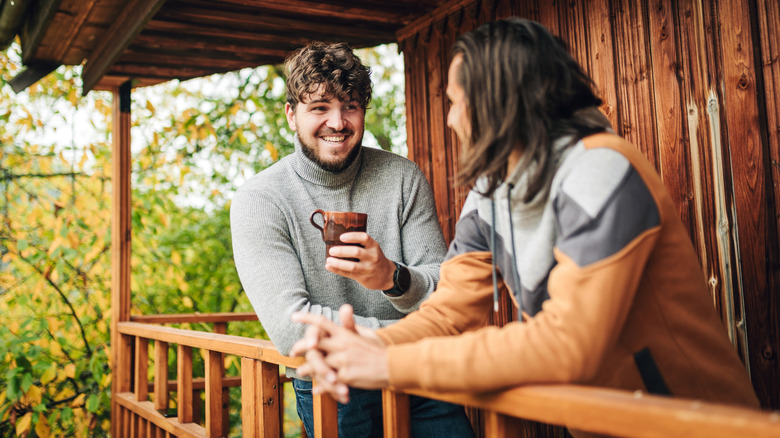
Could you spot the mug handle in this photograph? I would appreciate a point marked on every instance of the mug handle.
(316, 225)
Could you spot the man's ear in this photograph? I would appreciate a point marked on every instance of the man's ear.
(290, 112)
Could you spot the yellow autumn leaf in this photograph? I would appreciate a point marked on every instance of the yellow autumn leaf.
(70, 370)
(272, 150)
(78, 401)
(33, 395)
(176, 258)
(92, 254)
(49, 374)
(149, 105)
(42, 427)
(56, 244)
(187, 302)
(23, 425)
(84, 158)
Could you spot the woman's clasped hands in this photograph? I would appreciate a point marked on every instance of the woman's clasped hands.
(339, 356)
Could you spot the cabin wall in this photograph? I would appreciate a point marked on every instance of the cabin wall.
(695, 85)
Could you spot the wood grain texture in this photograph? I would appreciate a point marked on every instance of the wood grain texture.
(693, 85)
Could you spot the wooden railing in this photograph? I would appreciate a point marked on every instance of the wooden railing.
(596, 410)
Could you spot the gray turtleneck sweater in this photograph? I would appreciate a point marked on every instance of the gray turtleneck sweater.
(280, 256)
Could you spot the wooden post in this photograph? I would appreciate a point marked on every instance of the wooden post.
(161, 377)
(250, 399)
(261, 407)
(326, 423)
(184, 379)
(221, 327)
(214, 411)
(120, 242)
(395, 408)
(499, 425)
(141, 368)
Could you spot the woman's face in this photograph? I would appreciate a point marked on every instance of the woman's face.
(457, 117)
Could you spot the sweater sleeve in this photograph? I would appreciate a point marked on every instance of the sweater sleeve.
(422, 243)
(271, 272)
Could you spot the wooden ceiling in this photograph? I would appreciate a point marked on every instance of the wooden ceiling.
(153, 41)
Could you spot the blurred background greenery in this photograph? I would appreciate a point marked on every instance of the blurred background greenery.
(193, 144)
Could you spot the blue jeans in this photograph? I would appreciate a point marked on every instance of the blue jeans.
(362, 416)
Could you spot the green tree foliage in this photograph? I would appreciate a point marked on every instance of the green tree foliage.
(193, 143)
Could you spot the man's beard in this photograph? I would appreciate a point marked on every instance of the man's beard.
(330, 166)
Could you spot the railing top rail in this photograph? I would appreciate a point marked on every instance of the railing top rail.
(259, 349)
(194, 317)
(620, 413)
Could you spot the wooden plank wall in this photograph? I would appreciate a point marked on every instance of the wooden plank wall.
(695, 85)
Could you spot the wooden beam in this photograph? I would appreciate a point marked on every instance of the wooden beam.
(363, 12)
(30, 75)
(129, 24)
(35, 27)
(339, 29)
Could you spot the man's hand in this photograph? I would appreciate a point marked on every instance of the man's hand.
(374, 270)
(337, 356)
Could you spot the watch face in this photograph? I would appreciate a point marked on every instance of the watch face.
(404, 278)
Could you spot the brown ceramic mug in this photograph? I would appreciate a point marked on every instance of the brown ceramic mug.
(336, 223)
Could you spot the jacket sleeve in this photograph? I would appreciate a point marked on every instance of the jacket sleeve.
(601, 255)
(271, 272)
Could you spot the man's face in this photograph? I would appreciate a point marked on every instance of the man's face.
(330, 130)
(458, 116)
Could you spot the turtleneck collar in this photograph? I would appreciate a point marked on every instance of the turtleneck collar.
(313, 173)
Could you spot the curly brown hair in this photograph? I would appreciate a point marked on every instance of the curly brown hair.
(335, 66)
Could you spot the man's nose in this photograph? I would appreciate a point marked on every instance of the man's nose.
(336, 120)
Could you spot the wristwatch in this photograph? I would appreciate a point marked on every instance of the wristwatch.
(402, 279)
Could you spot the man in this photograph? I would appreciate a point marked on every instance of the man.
(583, 234)
(279, 255)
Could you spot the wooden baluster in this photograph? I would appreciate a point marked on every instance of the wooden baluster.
(261, 414)
(395, 408)
(271, 414)
(214, 420)
(124, 372)
(221, 327)
(325, 416)
(141, 368)
(161, 377)
(499, 425)
(184, 380)
(250, 398)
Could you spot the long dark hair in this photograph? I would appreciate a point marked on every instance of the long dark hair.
(523, 90)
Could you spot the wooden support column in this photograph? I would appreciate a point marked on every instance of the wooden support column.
(395, 408)
(325, 416)
(120, 245)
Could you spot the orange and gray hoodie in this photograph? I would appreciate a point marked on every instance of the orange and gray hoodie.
(606, 275)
